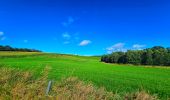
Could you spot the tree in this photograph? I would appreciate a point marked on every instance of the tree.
(167, 59)
(9, 48)
(147, 57)
(158, 58)
(168, 49)
(133, 57)
(152, 56)
(116, 56)
(122, 59)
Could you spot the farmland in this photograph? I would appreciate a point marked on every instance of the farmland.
(116, 78)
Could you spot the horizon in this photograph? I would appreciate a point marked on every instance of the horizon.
(87, 27)
(36, 50)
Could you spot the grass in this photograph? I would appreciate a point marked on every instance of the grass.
(20, 85)
(120, 79)
(16, 53)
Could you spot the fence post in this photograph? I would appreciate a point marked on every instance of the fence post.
(48, 87)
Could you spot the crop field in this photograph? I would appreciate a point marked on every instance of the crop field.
(116, 78)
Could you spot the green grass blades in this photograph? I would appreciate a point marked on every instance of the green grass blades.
(21, 85)
(116, 78)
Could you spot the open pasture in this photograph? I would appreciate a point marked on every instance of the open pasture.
(116, 78)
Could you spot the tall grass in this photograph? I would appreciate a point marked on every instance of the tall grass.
(19, 85)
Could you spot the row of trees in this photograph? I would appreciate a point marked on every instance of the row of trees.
(152, 56)
(9, 48)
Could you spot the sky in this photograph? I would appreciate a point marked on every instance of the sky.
(85, 27)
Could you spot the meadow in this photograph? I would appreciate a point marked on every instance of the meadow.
(116, 78)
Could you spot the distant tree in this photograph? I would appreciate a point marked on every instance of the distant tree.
(115, 56)
(168, 49)
(147, 57)
(102, 58)
(157, 48)
(167, 59)
(158, 58)
(9, 48)
(122, 59)
(133, 57)
(157, 55)
(105, 58)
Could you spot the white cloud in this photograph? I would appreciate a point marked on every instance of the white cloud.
(84, 42)
(1, 33)
(25, 41)
(138, 46)
(69, 21)
(66, 35)
(116, 47)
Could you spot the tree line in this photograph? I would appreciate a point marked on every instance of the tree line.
(157, 55)
(9, 48)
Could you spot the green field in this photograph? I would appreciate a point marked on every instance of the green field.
(116, 78)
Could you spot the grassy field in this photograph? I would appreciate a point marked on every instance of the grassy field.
(115, 78)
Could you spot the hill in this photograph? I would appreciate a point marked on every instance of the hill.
(116, 78)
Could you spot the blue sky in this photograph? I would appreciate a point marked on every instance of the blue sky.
(85, 27)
